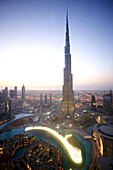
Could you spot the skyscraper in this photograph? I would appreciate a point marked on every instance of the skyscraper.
(5, 94)
(107, 103)
(50, 99)
(23, 92)
(41, 99)
(15, 91)
(45, 99)
(68, 107)
(93, 103)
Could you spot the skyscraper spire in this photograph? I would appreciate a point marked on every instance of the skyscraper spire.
(67, 31)
(68, 107)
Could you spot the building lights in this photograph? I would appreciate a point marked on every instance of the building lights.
(48, 113)
(70, 125)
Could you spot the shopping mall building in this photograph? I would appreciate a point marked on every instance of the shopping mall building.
(103, 135)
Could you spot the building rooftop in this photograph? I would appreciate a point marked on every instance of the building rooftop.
(105, 163)
(105, 130)
(108, 119)
(108, 130)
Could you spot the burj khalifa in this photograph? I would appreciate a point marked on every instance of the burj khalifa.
(68, 107)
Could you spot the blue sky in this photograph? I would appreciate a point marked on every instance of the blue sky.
(32, 39)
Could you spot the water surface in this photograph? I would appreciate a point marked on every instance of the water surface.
(48, 137)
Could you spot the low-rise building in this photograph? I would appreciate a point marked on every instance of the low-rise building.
(103, 135)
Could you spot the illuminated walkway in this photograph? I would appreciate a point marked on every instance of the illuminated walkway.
(74, 152)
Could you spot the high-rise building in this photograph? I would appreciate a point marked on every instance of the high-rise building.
(68, 107)
(50, 99)
(5, 93)
(45, 99)
(15, 88)
(23, 92)
(1, 97)
(8, 106)
(13, 93)
(107, 103)
(41, 99)
(93, 103)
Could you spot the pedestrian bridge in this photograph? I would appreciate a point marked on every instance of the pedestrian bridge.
(73, 151)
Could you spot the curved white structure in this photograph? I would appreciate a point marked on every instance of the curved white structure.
(67, 136)
(74, 152)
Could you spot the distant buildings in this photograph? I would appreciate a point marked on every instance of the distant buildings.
(4, 94)
(68, 107)
(23, 92)
(47, 100)
(13, 93)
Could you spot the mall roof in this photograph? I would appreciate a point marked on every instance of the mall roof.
(104, 130)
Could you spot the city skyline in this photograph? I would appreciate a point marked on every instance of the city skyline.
(32, 43)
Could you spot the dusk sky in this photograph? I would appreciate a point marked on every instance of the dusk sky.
(32, 40)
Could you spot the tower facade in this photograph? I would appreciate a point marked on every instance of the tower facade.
(68, 107)
(23, 92)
